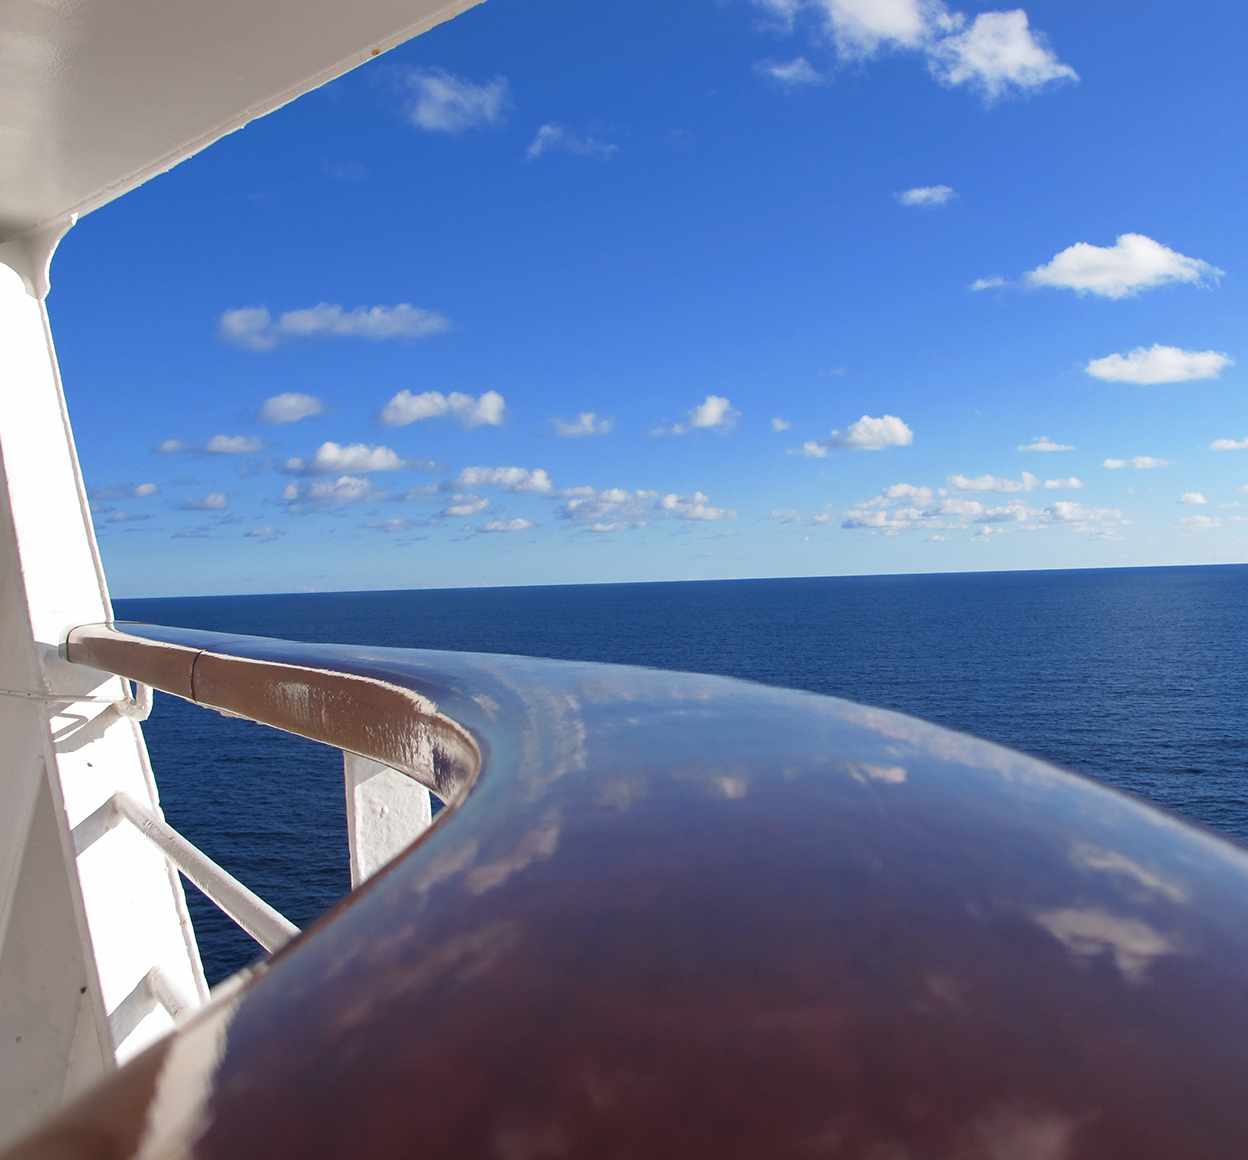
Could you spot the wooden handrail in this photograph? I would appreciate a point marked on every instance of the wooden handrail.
(685, 916)
(362, 714)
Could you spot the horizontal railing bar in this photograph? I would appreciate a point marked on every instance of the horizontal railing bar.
(267, 926)
(357, 712)
(153, 990)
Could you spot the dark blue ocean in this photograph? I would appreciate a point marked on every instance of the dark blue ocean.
(1136, 676)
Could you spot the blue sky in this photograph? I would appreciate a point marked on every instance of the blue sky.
(564, 293)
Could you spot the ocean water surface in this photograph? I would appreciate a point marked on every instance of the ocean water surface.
(1138, 677)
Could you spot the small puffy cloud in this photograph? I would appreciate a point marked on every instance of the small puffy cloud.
(232, 445)
(506, 525)
(993, 283)
(926, 195)
(266, 534)
(120, 517)
(1070, 512)
(1159, 364)
(255, 328)
(554, 136)
(1229, 445)
(323, 494)
(124, 491)
(463, 506)
(1140, 462)
(614, 509)
(333, 458)
(586, 423)
(789, 74)
(785, 515)
(1192, 497)
(1133, 263)
(407, 408)
(996, 55)
(289, 408)
(518, 480)
(780, 424)
(1044, 443)
(992, 483)
(1055, 484)
(217, 445)
(867, 434)
(445, 103)
(714, 413)
(216, 501)
(1198, 523)
(692, 507)
(392, 525)
(203, 533)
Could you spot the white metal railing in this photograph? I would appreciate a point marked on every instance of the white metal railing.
(268, 927)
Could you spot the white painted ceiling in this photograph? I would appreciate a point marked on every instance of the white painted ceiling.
(96, 96)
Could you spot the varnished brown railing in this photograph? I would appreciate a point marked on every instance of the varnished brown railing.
(683, 916)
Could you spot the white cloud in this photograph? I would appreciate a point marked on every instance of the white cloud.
(506, 525)
(714, 413)
(867, 434)
(790, 73)
(1044, 443)
(445, 103)
(125, 491)
(266, 534)
(216, 501)
(289, 408)
(1133, 263)
(1068, 512)
(254, 328)
(120, 517)
(1229, 445)
(322, 494)
(1159, 364)
(332, 458)
(554, 136)
(1140, 462)
(1055, 484)
(785, 515)
(993, 283)
(926, 195)
(997, 54)
(586, 423)
(407, 408)
(992, 483)
(615, 509)
(392, 525)
(1192, 497)
(904, 506)
(692, 507)
(1198, 523)
(232, 445)
(780, 424)
(514, 479)
(463, 506)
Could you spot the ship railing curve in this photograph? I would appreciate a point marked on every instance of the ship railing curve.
(682, 915)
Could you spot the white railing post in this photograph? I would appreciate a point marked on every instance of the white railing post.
(386, 812)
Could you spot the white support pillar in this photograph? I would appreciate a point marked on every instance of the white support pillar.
(77, 934)
(386, 812)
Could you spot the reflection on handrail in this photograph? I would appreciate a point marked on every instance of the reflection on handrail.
(681, 915)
